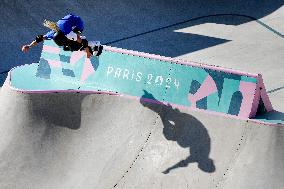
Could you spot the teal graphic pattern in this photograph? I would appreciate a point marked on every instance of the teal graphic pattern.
(128, 74)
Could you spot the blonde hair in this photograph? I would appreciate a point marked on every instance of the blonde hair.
(51, 25)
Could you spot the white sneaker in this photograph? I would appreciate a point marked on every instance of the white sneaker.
(96, 47)
(92, 44)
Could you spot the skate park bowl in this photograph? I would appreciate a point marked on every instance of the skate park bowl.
(103, 122)
(210, 117)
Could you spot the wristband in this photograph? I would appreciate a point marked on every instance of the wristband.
(39, 38)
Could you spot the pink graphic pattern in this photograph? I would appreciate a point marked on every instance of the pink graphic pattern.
(248, 91)
(208, 87)
(76, 56)
(50, 49)
(87, 70)
(54, 63)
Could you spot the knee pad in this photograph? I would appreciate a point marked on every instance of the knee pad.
(100, 50)
(97, 50)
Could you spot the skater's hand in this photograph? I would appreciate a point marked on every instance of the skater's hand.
(89, 54)
(25, 48)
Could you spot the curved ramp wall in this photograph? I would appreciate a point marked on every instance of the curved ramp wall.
(173, 81)
(84, 141)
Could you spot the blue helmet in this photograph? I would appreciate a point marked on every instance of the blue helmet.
(70, 23)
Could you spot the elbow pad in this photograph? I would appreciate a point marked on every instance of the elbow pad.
(39, 38)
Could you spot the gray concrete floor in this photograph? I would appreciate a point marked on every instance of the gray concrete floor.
(101, 141)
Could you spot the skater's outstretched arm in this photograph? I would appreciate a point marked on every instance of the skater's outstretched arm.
(39, 38)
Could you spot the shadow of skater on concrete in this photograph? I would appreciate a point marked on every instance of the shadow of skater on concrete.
(58, 109)
(186, 130)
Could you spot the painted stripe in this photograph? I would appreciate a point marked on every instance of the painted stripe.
(249, 79)
(54, 63)
(248, 91)
(76, 56)
(87, 70)
(255, 101)
(208, 87)
(51, 49)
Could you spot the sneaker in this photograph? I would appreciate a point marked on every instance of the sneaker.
(96, 47)
(92, 44)
(100, 50)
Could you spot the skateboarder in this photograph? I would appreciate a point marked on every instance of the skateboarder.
(67, 34)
